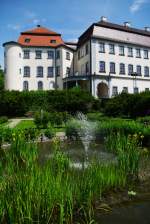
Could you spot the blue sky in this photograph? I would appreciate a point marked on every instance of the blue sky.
(69, 17)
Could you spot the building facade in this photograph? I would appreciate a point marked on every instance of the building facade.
(107, 59)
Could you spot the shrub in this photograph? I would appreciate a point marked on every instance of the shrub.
(129, 105)
(3, 119)
(49, 132)
(58, 118)
(72, 127)
(30, 133)
(15, 103)
(41, 119)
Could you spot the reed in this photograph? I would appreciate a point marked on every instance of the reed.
(127, 149)
(52, 192)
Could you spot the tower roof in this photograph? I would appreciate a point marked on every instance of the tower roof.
(40, 37)
(41, 30)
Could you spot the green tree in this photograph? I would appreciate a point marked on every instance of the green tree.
(1, 78)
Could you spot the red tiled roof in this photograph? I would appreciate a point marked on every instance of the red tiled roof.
(40, 30)
(40, 36)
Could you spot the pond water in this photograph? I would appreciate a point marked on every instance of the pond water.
(75, 151)
(133, 212)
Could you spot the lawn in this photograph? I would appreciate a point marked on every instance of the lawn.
(24, 124)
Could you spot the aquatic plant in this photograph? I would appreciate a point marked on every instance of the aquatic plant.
(127, 149)
(52, 192)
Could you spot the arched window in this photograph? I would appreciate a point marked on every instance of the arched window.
(26, 71)
(40, 85)
(51, 85)
(25, 85)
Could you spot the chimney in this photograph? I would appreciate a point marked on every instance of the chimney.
(127, 24)
(103, 19)
(147, 28)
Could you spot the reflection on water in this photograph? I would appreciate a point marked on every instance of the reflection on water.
(75, 151)
(135, 213)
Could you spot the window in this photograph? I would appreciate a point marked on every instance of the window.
(130, 69)
(50, 54)
(38, 54)
(101, 47)
(27, 40)
(82, 52)
(58, 70)
(146, 71)
(50, 72)
(52, 41)
(138, 53)
(86, 49)
(125, 90)
(68, 71)
(138, 70)
(145, 54)
(68, 55)
(19, 70)
(40, 85)
(112, 67)
(121, 50)
(111, 49)
(101, 66)
(130, 52)
(114, 91)
(57, 54)
(39, 71)
(136, 90)
(25, 85)
(26, 71)
(19, 55)
(122, 68)
(78, 54)
(82, 69)
(87, 68)
(26, 54)
(146, 89)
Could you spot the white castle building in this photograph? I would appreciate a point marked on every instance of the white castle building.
(107, 59)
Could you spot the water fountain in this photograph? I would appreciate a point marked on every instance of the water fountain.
(86, 132)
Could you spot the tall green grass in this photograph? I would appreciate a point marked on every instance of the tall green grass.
(127, 149)
(52, 192)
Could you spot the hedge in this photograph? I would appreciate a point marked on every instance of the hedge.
(15, 103)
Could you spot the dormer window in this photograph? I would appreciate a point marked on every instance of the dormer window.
(27, 40)
(52, 41)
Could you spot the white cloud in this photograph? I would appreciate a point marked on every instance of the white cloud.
(14, 26)
(136, 5)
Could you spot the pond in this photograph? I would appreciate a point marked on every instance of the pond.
(133, 211)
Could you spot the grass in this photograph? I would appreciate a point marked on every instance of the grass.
(24, 124)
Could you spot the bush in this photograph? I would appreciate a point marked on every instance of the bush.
(3, 119)
(41, 119)
(30, 133)
(72, 129)
(129, 105)
(15, 103)
(49, 132)
(58, 118)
